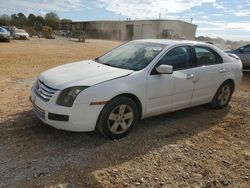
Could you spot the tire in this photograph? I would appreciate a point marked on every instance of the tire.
(117, 118)
(223, 95)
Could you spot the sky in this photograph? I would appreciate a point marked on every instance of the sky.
(228, 19)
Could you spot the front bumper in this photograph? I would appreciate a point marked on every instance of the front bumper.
(81, 117)
(21, 37)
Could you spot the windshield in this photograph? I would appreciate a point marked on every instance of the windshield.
(19, 31)
(133, 55)
(3, 30)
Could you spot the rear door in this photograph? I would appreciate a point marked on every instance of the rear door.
(210, 73)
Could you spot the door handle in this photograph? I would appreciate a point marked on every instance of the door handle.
(222, 70)
(190, 76)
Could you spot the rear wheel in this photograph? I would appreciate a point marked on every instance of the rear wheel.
(118, 117)
(223, 95)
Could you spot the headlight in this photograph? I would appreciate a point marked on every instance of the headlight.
(68, 96)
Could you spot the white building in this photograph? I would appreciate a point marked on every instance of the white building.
(131, 30)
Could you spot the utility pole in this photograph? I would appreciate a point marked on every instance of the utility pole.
(159, 15)
(191, 20)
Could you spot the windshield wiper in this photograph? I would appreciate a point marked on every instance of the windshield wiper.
(108, 64)
(97, 60)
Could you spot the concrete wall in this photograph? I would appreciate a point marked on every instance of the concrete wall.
(155, 29)
(182, 29)
(131, 30)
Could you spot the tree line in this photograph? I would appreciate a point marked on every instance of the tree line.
(20, 20)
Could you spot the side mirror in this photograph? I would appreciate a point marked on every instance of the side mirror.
(164, 69)
(241, 50)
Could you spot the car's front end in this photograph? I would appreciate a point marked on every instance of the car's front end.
(64, 98)
(61, 113)
(73, 97)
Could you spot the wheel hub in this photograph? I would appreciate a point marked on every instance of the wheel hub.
(224, 95)
(120, 119)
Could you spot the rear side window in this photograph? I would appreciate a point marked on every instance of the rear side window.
(179, 58)
(247, 50)
(207, 56)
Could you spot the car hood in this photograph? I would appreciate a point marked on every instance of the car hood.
(83, 73)
(22, 34)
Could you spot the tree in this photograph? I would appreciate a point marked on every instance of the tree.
(39, 23)
(13, 19)
(5, 20)
(18, 20)
(21, 19)
(31, 20)
(52, 20)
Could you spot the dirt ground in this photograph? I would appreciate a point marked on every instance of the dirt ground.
(197, 147)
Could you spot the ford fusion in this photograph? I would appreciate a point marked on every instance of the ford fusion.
(134, 81)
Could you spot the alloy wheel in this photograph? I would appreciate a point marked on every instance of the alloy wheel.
(120, 119)
(224, 95)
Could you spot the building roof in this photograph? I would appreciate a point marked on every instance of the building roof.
(130, 21)
(172, 42)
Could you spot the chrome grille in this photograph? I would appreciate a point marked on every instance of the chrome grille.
(39, 112)
(43, 91)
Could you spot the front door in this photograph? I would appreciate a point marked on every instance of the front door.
(167, 92)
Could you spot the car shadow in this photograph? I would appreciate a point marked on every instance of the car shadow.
(72, 157)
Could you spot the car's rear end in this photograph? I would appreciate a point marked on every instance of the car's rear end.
(236, 67)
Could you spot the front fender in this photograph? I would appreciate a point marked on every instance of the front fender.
(100, 94)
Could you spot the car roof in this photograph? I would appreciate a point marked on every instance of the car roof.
(172, 42)
(169, 42)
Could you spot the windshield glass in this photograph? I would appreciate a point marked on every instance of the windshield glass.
(20, 31)
(132, 56)
(3, 30)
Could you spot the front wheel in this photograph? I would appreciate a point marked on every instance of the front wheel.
(118, 117)
(223, 95)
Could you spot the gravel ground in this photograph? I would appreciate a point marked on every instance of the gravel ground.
(196, 147)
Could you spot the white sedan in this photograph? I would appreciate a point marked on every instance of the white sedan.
(20, 34)
(137, 80)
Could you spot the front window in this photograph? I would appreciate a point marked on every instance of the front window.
(179, 58)
(19, 31)
(132, 56)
